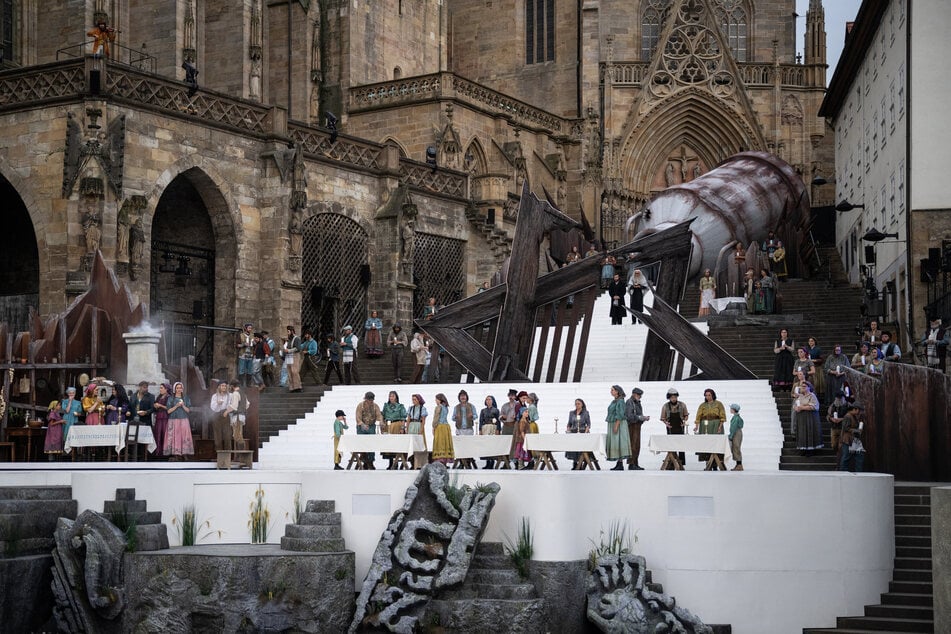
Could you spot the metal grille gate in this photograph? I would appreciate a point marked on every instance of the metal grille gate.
(438, 270)
(335, 274)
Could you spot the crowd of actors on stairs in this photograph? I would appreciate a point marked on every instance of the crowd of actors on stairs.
(518, 417)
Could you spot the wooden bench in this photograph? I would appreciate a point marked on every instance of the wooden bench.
(243, 458)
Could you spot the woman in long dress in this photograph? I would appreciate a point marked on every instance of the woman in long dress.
(808, 427)
(93, 405)
(819, 378)
(53, 445)
(711, 417)
(617, 444)
(442, 434)
(579, 422)
(635, 288)
(805, 365)
(178, 439)
(373, 340)
(708, 292)
(522, 428)
(416, 415)
(72, 409)
(783, 364)
(160, 426)
(835, 368)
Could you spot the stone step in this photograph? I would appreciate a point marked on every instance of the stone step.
(915, 612)
(921, 576)
(912, 520)
(26, 546)
(482, 616)
(58, 508)
(913, 541)
(151, 537)
(21, 525)
(125, 495)
(310, 518)
(913, 530)
(886, 624)
(910, 587)
(320, 506)
(907, 598)
(36, 493)
(490, 591)
(489, 576)
(299, 544)
(490, 548)
(127, 506)
(837, 630)
(314, 531)
(917, 552)
(913, 563)
(140, 519)
(912, 509)
(491, 562)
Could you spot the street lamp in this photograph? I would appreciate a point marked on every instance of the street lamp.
(847, 206)
(874, 235)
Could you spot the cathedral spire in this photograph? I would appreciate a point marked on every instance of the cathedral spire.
(815, 44)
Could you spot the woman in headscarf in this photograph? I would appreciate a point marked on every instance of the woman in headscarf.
(72, 409)
(617, 444)
(93, 405)
(636, 287)
(160, 426)
(178, 440)
(808, 427)
(836, 367)
(711, 416)
(442, 434)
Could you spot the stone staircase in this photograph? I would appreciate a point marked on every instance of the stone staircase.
(317, 529)
(908, 606)
(791, 458)
(28, 517)
(492, 593)
(499, 241)
(278, 408)
(125, 511)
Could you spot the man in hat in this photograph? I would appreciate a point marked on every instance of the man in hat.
(331, 352)
(143, 404)
(936, 342)
(853, 450)
(674, 415)
(348, 344)
(309, 357)
(836, 414)
(368, 415)
(634, 413)
(267, 369)
(508, 413)
(244, 343)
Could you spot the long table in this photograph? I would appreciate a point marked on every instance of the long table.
(401, 445)
(587, 445)
(673, 444)
(467, 449)
(106, 436)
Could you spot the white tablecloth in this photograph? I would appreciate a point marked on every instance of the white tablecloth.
(383, 443)
(721, 303)
(702, 443)
(480, 446)
(593, 443)
(106, 436)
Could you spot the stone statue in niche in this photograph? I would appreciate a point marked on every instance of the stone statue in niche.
(408, 213)
(669, 175)
(92, 229)
(136, 246)
(123, 224)
(295, 229)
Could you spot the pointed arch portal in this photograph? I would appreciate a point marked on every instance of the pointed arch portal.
(19, 261)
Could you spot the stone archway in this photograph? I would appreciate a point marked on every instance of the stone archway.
(19, 261)
(192, 272)
(336, 274)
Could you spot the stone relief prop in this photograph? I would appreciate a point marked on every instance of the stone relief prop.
(88, 574)
(620, 601)
(792, 113)
(426, 548)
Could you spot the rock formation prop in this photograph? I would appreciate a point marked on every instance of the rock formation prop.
(620, 601)
(426, 548)
(88, 574)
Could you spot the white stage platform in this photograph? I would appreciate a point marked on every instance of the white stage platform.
(766, 552)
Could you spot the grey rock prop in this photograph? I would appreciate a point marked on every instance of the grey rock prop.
(426, 548)
(620, 601)
(87, 573)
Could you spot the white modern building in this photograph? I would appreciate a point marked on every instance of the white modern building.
(887, 102)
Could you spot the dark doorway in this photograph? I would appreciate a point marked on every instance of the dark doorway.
(19, 261)
(182, 289)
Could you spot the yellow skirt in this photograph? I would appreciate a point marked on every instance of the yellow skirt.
(442, 443)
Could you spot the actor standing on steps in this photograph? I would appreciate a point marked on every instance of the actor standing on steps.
(634, 413)
(308, 358)
(292, 360)
(368, 416)
(245, 345)
(736, 436)
(398, 343)
(348, 343)
(332, 357)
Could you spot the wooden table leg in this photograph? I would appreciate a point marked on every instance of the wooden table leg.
(355, 459)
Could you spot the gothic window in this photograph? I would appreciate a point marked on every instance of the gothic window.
(539, 31)
(655, 13)
(734, 23)
(6, 30)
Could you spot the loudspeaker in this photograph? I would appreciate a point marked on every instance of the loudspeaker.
(198, 309)
(365, 274)
(869, 254)
(490, 216)
(95, 82)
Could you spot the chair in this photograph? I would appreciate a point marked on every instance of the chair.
(11, 449)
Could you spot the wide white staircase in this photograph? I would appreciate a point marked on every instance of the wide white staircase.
(613, 357)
